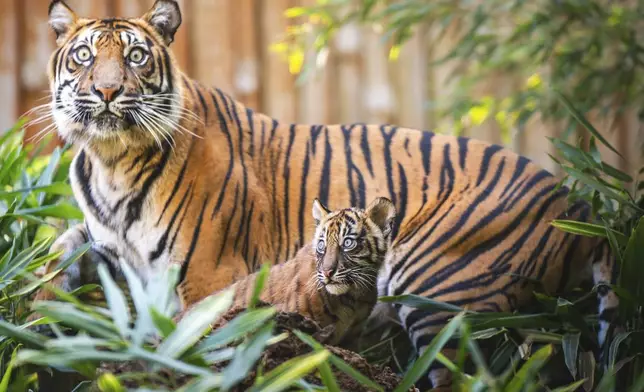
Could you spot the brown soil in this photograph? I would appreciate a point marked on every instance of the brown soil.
(292, 346)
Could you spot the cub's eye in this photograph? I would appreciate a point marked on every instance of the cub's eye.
(321, 246)
(137, 56)
(349, 243)
(82, 55)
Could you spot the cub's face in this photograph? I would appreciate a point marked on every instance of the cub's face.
(351, 245)
(113, 79)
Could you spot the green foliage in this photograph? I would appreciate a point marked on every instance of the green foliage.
(590, 49)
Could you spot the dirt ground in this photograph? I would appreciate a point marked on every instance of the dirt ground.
(291, 347)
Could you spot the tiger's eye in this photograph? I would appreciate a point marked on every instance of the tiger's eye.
(349, 243)
(137, 56)
(320, 247)
(82, 54)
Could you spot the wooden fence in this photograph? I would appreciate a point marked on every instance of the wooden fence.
(226, 43)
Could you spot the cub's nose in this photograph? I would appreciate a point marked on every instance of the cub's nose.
(107, 92)
(328, 273)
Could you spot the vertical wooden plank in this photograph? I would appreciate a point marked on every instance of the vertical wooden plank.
(212, 36)
(312, 94)
(182, 47)
(278, 97)
(9, 65)
(37, 45)
(130, 8)
(441, 84)
(246, 55)
(379, 98)
(411, 73)
(91, 8)
(349, 80)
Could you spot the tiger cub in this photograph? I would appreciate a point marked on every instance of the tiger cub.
(331, 280)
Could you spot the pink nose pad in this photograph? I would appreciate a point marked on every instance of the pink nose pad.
(327, 273)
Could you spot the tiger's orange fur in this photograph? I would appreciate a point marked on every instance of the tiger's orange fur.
(172, 172)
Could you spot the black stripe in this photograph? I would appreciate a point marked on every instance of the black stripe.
(462, 151)
(226, 232)
(178, 182)
(161, 244)
(303, 200)
(223, 125)
(326, 170)
(193, 242)
(485, 163)
(364, 146)
(135, 205)
(286, 175)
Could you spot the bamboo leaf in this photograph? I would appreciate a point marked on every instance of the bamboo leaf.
(425, 360)
(583, 121)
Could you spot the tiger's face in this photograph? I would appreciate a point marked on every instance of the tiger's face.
(351, 244)
(113, 79)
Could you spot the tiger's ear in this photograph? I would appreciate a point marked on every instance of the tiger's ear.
(382, 212)
(61, 19)
(165, 17)
(319, 211)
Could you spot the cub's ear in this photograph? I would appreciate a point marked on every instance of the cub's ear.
(165, 17)
(61, 19)
(319, 211)
(382, 212)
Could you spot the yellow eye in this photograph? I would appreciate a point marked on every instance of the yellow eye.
(137, 56)
(82, 54)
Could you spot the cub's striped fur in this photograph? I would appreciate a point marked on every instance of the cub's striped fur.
(169, 171)
(331, 280)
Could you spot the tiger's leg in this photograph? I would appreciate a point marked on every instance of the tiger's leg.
(604, 269)
(422, 327)
(84, 270)
(69, 279)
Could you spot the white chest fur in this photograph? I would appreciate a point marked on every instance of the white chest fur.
(108, 201)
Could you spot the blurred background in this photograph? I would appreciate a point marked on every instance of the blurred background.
(339, 61)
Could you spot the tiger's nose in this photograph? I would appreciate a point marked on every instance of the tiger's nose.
(327, 273)
(107, 92)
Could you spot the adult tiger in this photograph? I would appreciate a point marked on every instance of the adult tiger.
(169, 171)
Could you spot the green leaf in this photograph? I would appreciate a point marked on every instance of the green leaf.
(570, 344)
(632, 270)
(587, 229)
(570, 388)
(598, 185)
(419, 302)
(57, 188)
(164, 325)
(260, 281)
(4, 383)
(115, 300)
(508, 320)
(529, 370)
(107, 382)
(237, 328)
(289, 372)
(638, 385)
(61, 210)
(425, 360)
(75, 318)
(246, 355)
(583, 121)
(339, 363)
(195, 323)
(22, 335)
(614, 347)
